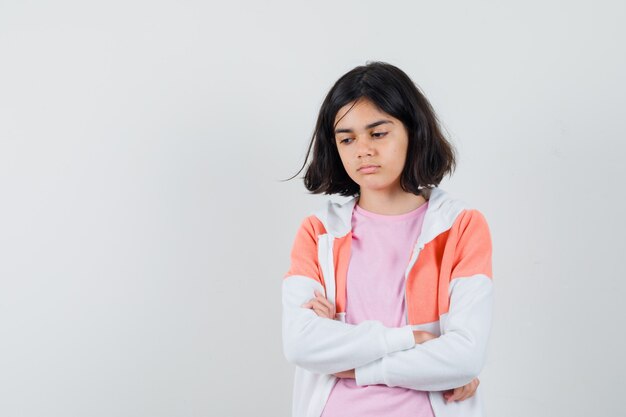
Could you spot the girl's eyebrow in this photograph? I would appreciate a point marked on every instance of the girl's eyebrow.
(369, 126)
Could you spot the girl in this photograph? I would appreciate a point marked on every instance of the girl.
(387, 303)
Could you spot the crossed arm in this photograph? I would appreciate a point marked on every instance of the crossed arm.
(325, 309)
(445, 363)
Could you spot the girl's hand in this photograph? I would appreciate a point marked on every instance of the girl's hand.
(321, 306)
(345, 374)
(462, 393)
(457, 394)
(422, 336)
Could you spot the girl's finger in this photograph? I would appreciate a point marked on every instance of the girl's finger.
(322, 313)
(327, 303)
(319, 304)
(473, 390)
(312, 305)
(320, 309)
(451, 397)
(319, 296)
(475, 384)
(456, 394)
(469, 390)
(465, 391)
(462, 392)
(309, 304)
(322, 304)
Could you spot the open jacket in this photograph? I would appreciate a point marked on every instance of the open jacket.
(448, 292)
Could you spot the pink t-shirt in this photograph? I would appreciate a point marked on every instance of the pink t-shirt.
(381, 250)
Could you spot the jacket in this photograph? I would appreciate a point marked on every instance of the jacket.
(448, 292)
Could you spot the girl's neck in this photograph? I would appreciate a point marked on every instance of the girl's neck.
(390, 203)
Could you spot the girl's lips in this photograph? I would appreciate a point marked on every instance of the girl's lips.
(370, 169)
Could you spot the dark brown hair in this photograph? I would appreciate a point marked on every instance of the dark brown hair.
(429, 155)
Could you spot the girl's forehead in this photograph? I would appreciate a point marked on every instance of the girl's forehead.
(361, 111)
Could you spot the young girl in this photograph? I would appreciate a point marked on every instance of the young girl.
(387, 303)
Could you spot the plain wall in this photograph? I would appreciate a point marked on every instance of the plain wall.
(144, 229)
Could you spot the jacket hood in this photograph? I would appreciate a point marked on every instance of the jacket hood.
(440, 214)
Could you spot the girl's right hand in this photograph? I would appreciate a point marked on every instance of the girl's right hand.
(462, 393)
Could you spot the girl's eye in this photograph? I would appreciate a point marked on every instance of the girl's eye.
(346, 140)
(379, 134)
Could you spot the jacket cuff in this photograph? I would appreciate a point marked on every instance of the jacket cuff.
(399, 338)
(370, 374)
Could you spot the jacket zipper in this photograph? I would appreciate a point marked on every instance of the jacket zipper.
(331, 270)
(416, 251)
(414, 254)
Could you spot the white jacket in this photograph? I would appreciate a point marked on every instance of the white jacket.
(448, 292)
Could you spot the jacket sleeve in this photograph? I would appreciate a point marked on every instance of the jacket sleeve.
(458, 355)
(323, 345)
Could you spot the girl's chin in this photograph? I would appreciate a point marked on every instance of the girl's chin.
(378, 188)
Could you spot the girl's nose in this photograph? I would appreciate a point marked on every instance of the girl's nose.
(364, 147)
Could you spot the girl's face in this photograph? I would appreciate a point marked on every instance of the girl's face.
(372, 146)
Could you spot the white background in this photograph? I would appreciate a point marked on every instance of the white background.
(144, 230)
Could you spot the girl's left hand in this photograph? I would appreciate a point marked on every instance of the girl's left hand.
(462, 393)
(321, 306)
